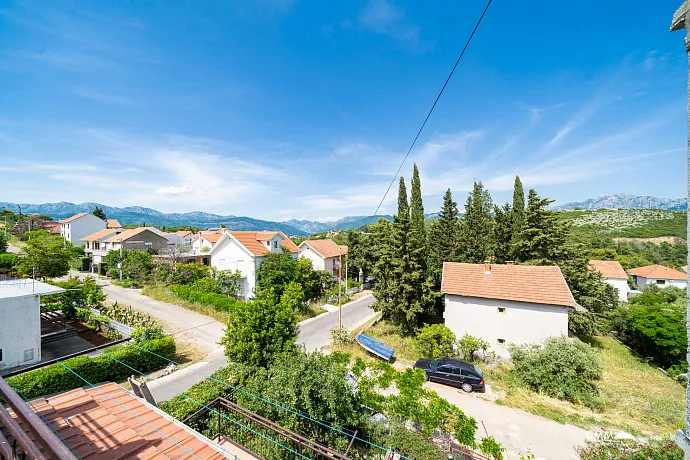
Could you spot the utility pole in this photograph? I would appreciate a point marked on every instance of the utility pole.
(340, 286)
(120, 264)
(681, 20)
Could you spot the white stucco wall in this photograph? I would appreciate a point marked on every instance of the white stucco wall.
(678, 283)
(317, 262)
(201, 243)
(520, 323)
(79, 228)
(20, 330)
(231, 255)
(621, 285)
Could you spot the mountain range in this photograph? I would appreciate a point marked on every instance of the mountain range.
(147, 216)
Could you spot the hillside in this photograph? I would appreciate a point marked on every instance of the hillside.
(630, 223)
(626, 201)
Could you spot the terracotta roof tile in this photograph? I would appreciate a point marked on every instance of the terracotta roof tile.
(659, 272)
(609, 269)
(129, 233)
(519, 283)
(210, 237)
(112, 223)
(52, 226)
(182, 233)
(327, 248)
(252, 241)
(105, 233)
(96, 427)
(74, 217)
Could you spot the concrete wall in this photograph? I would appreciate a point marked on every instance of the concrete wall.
(316, 260)
(519, 323)
(678, 283)
(79, 228)
(20, 330)
(621, 286)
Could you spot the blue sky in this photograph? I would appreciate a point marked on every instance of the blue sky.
(303, 109)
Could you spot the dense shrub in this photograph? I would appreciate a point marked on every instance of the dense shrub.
(144, 334)
(607, 447)
(8, 262)
(659, 332)
(219, 302)
(492, 448)
(434, 341)
(77, 295)
(56, 379)
(470, 347)
(564, 368)
(207, 285)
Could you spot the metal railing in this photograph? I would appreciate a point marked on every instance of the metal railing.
(27, 436)
(456, 450)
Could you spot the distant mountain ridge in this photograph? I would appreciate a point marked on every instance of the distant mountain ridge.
(626, 201)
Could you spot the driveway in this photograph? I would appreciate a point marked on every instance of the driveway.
(519, 432)
(204, 332)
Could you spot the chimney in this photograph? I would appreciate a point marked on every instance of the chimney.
(510, 262)
(487, 267)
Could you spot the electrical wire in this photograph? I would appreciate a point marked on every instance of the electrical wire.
(292, 411)
(467, 43)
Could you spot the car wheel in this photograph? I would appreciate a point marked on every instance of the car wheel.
(466, 387)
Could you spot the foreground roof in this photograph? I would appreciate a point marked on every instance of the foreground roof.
(609, 268)
(659, 272)
(74, 217)
(109, 422)
(26, 286)
(106, 232)
(326, 248)
(112, 223)
(518, 283)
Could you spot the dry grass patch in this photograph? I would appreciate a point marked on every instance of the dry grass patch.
(388, 333)
(164, 294)
(638, 398)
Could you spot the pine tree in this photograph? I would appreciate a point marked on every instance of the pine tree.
(417, 226)
(476, 226)
(384, 259)
(444, 238)
(98, 212)
(501, 233)
(518, 215)
(543, 237)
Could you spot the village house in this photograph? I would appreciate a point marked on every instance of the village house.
(245, 251)
(20, 328)
(95, 248)
(506, 304)
(203, 242)
(180, 239)
(324, 255)
(660, 275)
(112, 224)
(74, 228)
(140, 238)
(612, 272)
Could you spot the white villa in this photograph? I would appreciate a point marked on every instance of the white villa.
(659, 275)
(245, 251)
(612, 273)
(324, 254)
(506, 304)
(20, 329)
(74, 228)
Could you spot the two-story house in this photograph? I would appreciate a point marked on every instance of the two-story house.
(660, 275)
(324, 255)
(74, 228)
(180, 239)
(140, 238)
(203, 242)
(94, 246)
(245, 251)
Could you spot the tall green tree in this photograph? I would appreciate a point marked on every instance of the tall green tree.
(46, 256)
(543, 237)
(501, 232)
(444, 240)
(417, 227)
(99, 212)
(517, 215)
(384, 261)
(360, 253)
(477, 225)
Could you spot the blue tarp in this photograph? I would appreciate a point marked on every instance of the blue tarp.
(374, 346)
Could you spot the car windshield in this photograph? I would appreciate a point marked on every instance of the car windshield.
(477, 370)
(435, 363)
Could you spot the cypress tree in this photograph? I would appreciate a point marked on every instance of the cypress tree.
(444, 239)
(477, 225)
(543, 236)
(384, 260)
(501, 233)
(518, 215)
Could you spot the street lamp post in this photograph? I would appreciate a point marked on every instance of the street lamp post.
(681, 20)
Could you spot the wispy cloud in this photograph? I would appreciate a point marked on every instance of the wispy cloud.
(383, 17)
(98, 96)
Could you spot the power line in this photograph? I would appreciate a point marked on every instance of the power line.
(467, 43)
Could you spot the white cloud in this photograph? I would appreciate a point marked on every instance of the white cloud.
(98, 96)
(174, 190)
(382, 17)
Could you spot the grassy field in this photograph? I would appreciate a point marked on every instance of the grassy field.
(639, 398)
(164, 294)
(389, 334)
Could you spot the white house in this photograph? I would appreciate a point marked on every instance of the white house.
(659, 275)
(612, 273)
(182, 238)
(95, 247)
(324, 254)
(506, 304)
(74, 228)
(20, 328)
(245, 251)
(203, 242)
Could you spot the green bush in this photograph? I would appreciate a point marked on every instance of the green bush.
(563, 368)
(207, 285)
(8, 261)
(56, 379)
(434, 341)
(607, 447)
(470, 345)
(85, 264)
(659, 332)
(491, 448)
(144, 334)
(219, 302)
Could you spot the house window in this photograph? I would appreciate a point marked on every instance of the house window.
(148, 245)
(501, 341)
(0, 354)
(275, 244)
(501, 309)
(660, 282)
(29, 355)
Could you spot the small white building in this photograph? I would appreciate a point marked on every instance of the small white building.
(78, 226)
(203, 242)
(180, 239)
(612, 272)
(506, 304)
(324, 254)
(660, 275)
(94, 246)
(20, 328)
(245, 251)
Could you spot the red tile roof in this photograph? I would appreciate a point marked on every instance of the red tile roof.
(210, 237)
(100, 234)
(102, 425)
(182, 233)
(112, 223)
(609, 269)
(253, 242)
(659, 272)
(327, 248)
(52, 226)
(518, 283)
(74, 217)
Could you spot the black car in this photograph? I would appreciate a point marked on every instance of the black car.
(453, 372)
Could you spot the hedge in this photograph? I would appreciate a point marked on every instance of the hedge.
(219, 302)
(56, 379)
